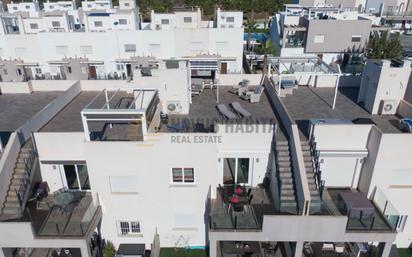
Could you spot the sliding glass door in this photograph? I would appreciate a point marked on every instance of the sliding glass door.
(236, 171)
(76, 177)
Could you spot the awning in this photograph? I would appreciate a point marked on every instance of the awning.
(58, 62)
(93, 62)
(126, 60)
(28, 64)
(204, 65)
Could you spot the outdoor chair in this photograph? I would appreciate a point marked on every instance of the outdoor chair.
(226, 112)
(240, 110)
(253, 96)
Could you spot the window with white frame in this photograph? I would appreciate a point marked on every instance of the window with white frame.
(123, 184)
(63, 50)
(187, 19)
(56, 24)
(20, 51)
(122, 21)
(183, 175)
(154, 48)
(130, 48)
(34, 26)
(230, 19)
(86, 49)
(76, 177)
(164, 21)
(98, 24)
(128, 228)
(356, 38)
(319, 39)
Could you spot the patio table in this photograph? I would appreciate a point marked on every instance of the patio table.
(240, 247)
(62, 200)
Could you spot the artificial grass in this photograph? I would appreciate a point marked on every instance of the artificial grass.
(182, 252)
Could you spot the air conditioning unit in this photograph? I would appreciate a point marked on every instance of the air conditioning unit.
(388, 107)
(174, 107)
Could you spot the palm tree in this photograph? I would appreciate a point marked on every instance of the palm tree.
(385, 46)
(266, 48)
(250, 25)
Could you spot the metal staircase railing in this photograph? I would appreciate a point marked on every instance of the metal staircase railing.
(29, 163)
(320, 184)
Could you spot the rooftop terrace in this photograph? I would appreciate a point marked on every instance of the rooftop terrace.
(16, 109)
(308, 103)
(204, 109)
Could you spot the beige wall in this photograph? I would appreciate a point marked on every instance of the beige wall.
(337, 34)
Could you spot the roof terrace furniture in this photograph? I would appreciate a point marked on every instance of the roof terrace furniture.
(222, 108)
(357, 204)
(240, 110)
(406, 125)
(253, 96)
(240, 89)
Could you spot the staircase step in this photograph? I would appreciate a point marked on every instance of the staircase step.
(305, 147)
(11, 210)
(284, 164)
(287, 192)
(283, 158)
(282, 153)
(19, 171)
(287, 198)
(285, 169)
(282, 142)
(12, 198)
(287, 186)
(11, 204)
(25, 155)
(19, 175)
(285, 175)
(286, 180)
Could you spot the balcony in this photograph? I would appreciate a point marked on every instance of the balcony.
(75, 219)
(363, 214)
(224, 215)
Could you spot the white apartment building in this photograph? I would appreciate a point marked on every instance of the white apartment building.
(312, 177)
(30, 7)
(109, 42)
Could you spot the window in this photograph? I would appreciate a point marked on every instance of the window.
(18, 72)
(15, 8)
(164, 21)
(5, 72)
(230, 19)
(123, 184)
(221, 46)
(37, 70)
(27, 6)
(183, 175)
(126, 4)
(69, 69)
(236, 171)
(89, 5)
(187, 19)
(56, 24)
(76, 177)
(130, 48)
(51, 7)
(20, 51)
(34, 25)
(154, 48)
(356, 38)
(98, 24)
(318, 39)
(128, 227)
(122, 21)
(63, 50)
(86, 49)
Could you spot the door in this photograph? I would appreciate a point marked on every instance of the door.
(223, 68)
(92, 72)
(129, 70)
(237, 171)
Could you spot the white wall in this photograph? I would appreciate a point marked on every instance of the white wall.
(108, 46)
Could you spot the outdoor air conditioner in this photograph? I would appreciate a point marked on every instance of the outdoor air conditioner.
(174, 107)
(388, 107)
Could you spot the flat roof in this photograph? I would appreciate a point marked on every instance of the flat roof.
(308, 103)
(204, 107)
(16, 109)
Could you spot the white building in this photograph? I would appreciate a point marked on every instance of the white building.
(134, 177)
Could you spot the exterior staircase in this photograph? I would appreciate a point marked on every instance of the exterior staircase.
(19, 186)
(285, 177)
(310, 173)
